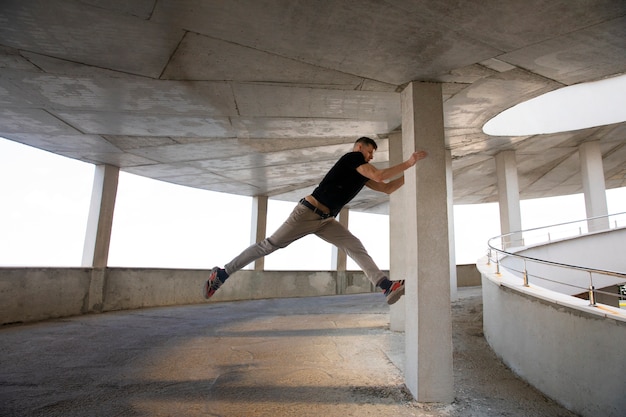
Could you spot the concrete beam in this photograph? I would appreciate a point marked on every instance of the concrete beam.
(428, 334)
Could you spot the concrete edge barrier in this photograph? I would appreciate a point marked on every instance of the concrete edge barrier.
(569, 350)
(33, 294)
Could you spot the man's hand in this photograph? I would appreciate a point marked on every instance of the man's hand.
(416, 156)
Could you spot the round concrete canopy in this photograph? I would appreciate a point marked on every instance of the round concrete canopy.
(261, 98)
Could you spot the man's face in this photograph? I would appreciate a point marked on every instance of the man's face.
(366, 150)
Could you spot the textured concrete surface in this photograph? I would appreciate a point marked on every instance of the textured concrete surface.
(260, 98)
(330, 356)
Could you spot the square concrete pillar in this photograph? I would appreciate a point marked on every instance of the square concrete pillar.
(594, 187)
(258, 228)
(428, 333)
(451, 244)
(100, 219)
(397, 264)
(508, 196)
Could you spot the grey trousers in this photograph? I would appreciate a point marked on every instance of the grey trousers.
(301, 222)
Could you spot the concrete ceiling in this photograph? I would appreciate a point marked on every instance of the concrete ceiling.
(260, 97)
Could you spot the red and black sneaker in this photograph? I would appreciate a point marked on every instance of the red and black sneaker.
(394, 292)
(213, 283)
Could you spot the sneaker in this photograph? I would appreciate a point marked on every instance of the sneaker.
(394, 292)
(213, 283)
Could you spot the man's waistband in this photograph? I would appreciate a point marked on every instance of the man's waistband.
(315, 210)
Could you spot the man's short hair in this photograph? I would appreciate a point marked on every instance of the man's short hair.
(367, 141)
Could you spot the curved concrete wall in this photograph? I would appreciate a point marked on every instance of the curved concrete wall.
(570, 351)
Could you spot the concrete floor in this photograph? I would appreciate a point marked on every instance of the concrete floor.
(330, 356)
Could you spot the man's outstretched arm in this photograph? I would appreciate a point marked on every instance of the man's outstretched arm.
(379, 175)
(386, 187)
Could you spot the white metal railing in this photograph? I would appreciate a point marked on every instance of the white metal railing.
(506, 246)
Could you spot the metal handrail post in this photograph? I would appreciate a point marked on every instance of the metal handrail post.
(525, 275)
(592, 291)
(592, 295)
(497, 264)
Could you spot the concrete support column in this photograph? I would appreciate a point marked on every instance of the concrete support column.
(397, 259)
(339, 261)
(594, 188)
(428, 333)
(100, 219)
(258, 226)
(508, 195)
(98, 233)
(451, 243)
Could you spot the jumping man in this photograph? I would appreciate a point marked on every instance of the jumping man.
(316, 214)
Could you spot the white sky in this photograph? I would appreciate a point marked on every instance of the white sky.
(45, 200)
(575, 107)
